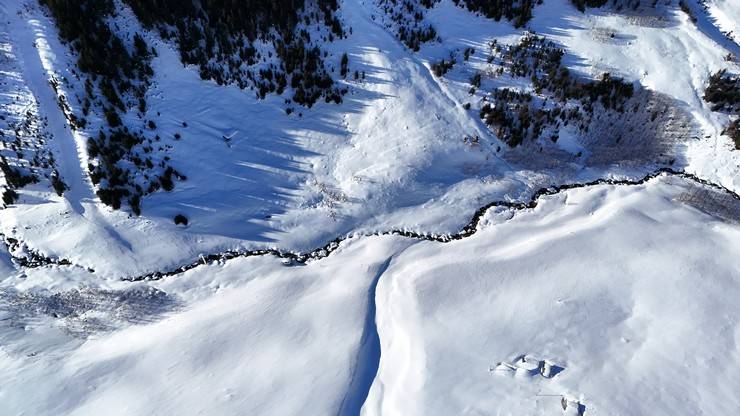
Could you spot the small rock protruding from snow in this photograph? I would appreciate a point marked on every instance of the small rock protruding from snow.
(572, 407)
(528, 366)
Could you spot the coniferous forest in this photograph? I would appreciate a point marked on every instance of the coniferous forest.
(218, 36)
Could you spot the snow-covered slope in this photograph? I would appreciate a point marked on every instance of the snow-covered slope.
(606, 299)
(251, 336)
(613, 286)
(398, 145)
(726, 14)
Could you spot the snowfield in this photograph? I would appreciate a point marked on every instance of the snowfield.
(640, 322)
(604, 299)
(644, 322)
(251, 336)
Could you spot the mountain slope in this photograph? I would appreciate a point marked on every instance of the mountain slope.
(368, 207)
(257, 176)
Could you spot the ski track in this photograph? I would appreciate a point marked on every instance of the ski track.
(35, 259)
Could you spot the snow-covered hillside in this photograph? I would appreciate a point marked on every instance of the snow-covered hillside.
(398, 146)
(277, 254)
(628, 291)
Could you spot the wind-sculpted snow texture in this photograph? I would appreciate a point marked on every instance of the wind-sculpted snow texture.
(615, 319)
(531, 213)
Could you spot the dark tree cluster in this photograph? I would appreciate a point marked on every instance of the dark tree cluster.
(518, 12)
(733, 131)
(14, 179)
(116, 78)
(219, 37)
(216, 35)
(413, 37)
(517, 117)
(583, 4)
(24, 158)
(138, 176)
(9, 196)
(511, 116)
(541, 60)
(686, 9)
(634, 5)
(723, 93)
(408, 17)
(562, 97)
(344, 65)
(181, 219)
(57, 183)
(442, 67)
(101, 53)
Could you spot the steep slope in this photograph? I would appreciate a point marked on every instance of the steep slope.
(726, 15)
(405, 148)
(37, 57)
(273, 340)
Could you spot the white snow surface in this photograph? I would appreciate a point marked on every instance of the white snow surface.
(613, 285)
(628, 292)
(726, 14)
(643, 322)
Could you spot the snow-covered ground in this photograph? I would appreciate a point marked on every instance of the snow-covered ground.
(614, 285)
(620, 300)
(726, 14)
(628, 293)
(248, 337)
(393, 155)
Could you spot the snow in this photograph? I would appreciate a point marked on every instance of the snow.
(618, 299)
(6, 264)
(280, 180)
(647, 50)
(253, 336)
(643, 322)
(655, 318)
(726, 13)
(393, 155)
